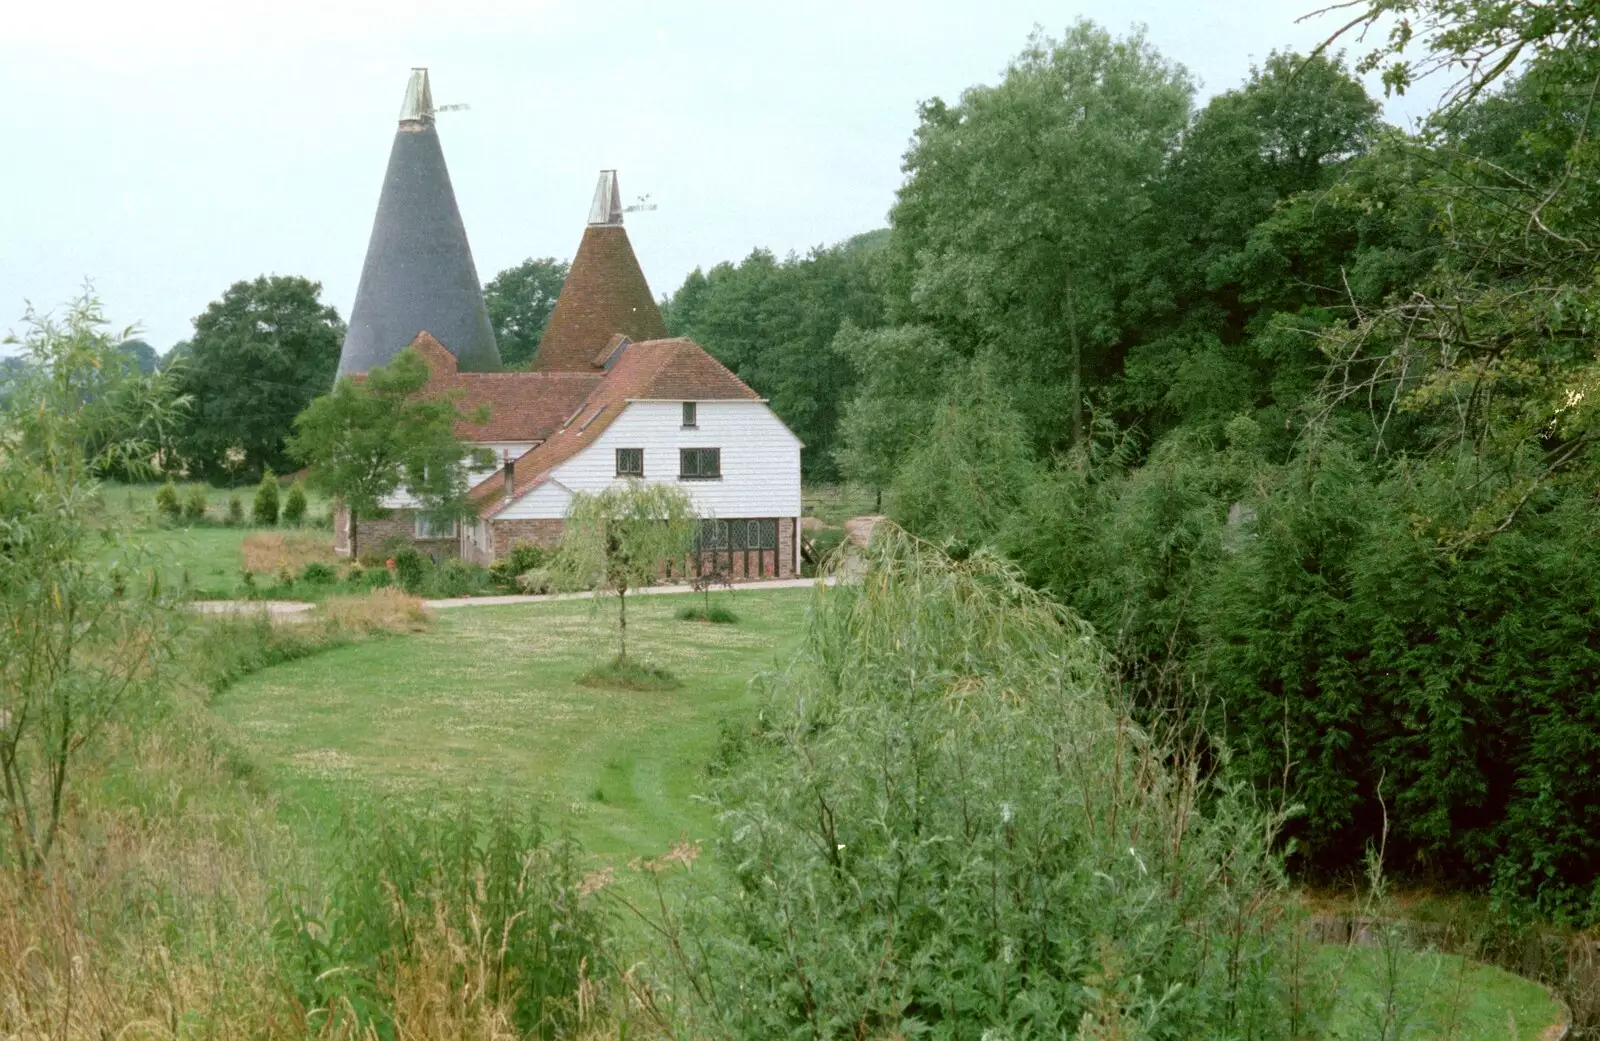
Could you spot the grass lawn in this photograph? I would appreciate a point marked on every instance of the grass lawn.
(487, 702)
(1436, 996)
(204, 558)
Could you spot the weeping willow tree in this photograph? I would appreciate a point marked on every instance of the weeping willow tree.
(947, 827)
(615, 541)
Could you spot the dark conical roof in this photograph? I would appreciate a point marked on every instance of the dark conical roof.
(419, 273)
(605, 292)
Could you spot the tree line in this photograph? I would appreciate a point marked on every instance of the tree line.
(1296, 407)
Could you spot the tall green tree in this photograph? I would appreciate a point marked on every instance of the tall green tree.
(371, 437)
(772, 322)
(967, 472)
(1243, 228)
(258, 356)
(144, 356)
(900, 373)
(520, 300)
(1011, 232)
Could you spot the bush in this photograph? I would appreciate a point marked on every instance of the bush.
(457, 578)
(944, 782)
(318, 573)
(265, 506)
(167, 504)
(523, 558)
(1453, 695)
(235, 510)
(194, 504)
(410, 569)
(294, 507)
(826, 541)
(538, 582)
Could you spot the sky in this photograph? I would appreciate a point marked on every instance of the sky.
(166, 149)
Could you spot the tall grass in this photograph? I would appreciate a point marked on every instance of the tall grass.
(476, 916)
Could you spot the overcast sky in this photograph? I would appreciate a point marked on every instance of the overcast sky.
(168, 148)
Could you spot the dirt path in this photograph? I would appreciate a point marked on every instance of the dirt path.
(274, 609)
(299, 610)
(497, 601)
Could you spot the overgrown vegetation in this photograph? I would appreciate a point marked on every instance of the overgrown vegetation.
(77, 641)
(1296, 408)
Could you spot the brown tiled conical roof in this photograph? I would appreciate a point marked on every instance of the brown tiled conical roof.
(605, 294)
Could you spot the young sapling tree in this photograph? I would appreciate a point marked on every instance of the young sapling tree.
(616, 540)
(78, 637)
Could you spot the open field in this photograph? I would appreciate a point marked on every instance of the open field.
(486, 702)
(206, 559)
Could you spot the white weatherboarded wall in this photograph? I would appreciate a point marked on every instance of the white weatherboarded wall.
(760, 460)
(402, 500)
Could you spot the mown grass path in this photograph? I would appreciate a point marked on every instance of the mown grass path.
(485, 704)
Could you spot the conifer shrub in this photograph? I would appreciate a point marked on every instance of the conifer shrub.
(1351, 663)
(235, 510)
(264, 507)
(410, 569)
(167, 504)
(294, 506)
(947, 828)
(194, 504)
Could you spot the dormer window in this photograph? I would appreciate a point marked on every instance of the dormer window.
(689, 415)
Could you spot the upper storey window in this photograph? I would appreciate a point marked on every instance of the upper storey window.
(689, 414)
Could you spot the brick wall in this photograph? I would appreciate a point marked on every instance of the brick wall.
(786, 526)
(371, 535)
(507, 533)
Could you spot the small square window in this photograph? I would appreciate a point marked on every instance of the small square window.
(630, 462)
(699, 464)
(689, 414)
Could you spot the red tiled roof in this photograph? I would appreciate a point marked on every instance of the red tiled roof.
(523, 406)
(669, 370)
(605, 293)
